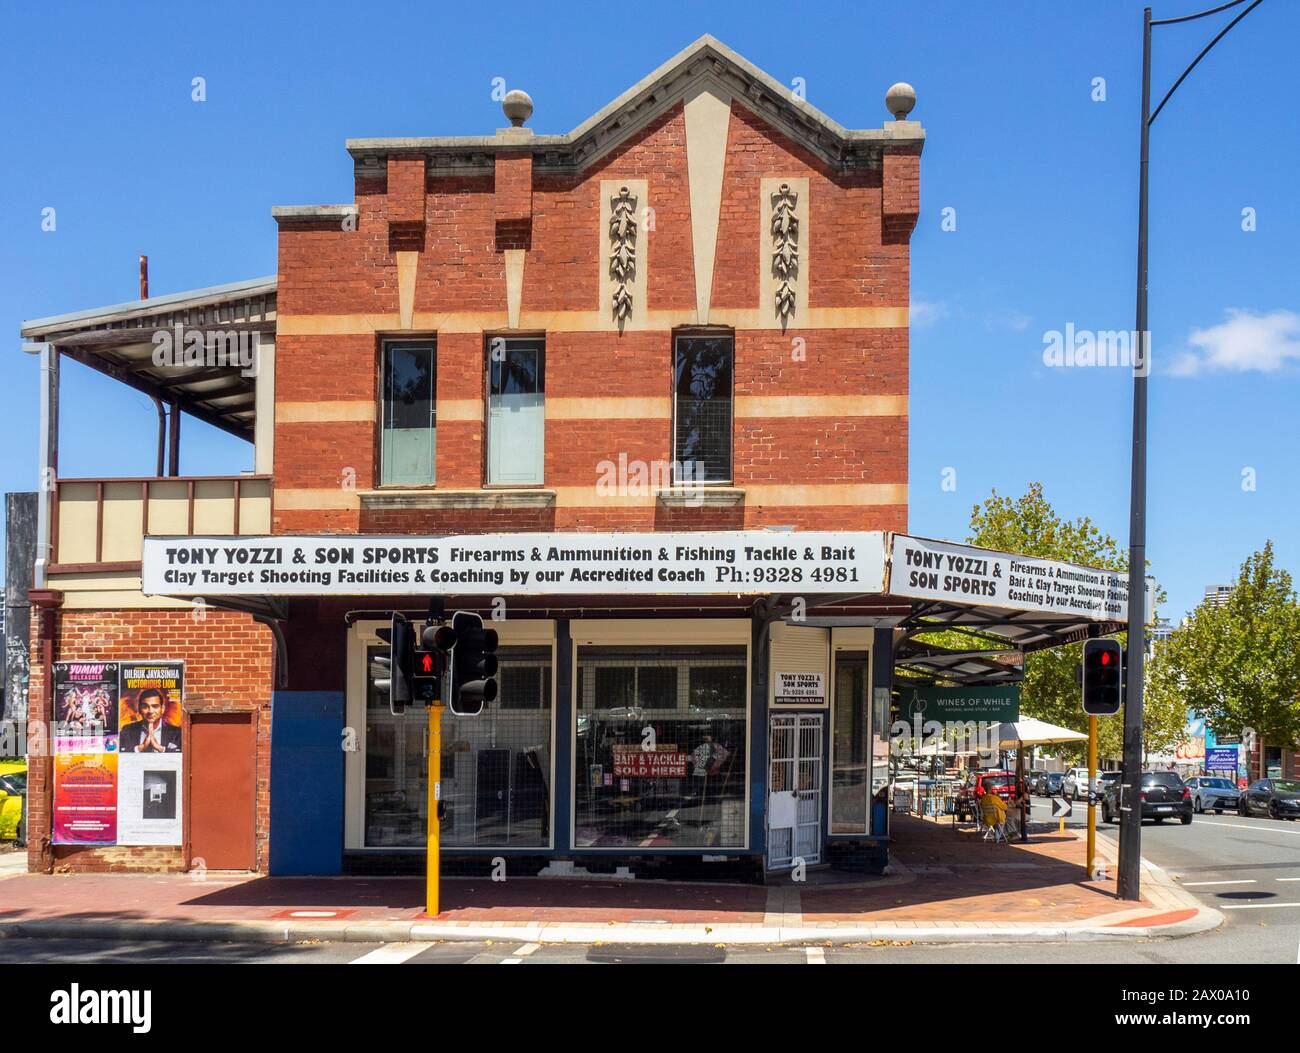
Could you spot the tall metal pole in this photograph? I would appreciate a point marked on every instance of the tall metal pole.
(1130, 834)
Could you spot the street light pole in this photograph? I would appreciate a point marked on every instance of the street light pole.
(1130, 834)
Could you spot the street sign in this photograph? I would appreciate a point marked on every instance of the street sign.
(1061, 808)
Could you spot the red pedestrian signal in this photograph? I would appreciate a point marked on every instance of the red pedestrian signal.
(1102, 672)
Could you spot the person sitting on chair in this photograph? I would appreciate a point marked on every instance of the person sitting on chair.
(994, 811)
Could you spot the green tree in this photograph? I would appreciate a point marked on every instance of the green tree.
(1238, 664)
(1029, 525)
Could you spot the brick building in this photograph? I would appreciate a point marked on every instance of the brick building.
(681, 325)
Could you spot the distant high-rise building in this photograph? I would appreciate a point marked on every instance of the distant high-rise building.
(1217, 595)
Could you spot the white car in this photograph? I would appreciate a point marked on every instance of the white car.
(1074, 786)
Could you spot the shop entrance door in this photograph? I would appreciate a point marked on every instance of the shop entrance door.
(794, 803)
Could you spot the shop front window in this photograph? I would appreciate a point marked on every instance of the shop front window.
(660, 753)
(496, 767)
(850, 745)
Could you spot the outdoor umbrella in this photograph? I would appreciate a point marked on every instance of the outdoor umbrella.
(1015, 735)
(1030, 732)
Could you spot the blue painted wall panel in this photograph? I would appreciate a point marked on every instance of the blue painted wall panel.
(307, 782)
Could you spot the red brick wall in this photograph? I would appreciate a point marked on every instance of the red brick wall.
(228, 666)
(858, 258)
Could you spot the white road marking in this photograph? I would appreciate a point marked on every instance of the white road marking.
(511, 961)
(1287, 879)
(1254, 906)
(816, 955)
(390, 954)
(527, 948)
(1273, 828)
(1195, 884)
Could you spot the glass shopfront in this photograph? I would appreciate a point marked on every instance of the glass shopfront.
(660, 747)
(859, 746)
(496, 767)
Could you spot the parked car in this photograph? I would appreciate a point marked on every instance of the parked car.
(1212, 792)
(1162, 795)
(1049, 783)
(1034, 776)
(1276, 798)
(1075, 783)
(977, 784)
(13, 788)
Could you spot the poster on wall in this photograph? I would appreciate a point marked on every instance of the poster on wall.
(149, 799)
(85, 798)
(118, 749)
(85, 707)
(150, 707)
(149, 753)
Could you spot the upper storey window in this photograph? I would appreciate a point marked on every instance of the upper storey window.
(516, 432)
(408, 387)
(703, 373)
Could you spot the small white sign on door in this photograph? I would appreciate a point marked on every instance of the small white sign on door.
(800, 689)
(782, 810)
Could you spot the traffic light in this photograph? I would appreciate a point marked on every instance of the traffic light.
(473, 665)
(1103, 670)
(431, 662)
(399, 662)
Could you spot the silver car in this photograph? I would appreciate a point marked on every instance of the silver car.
(1213, 793)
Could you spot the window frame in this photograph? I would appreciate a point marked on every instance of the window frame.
(429, 342)
(674, 460)
(539, 339)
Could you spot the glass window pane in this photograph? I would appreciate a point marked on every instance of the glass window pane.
(516, 412)
(496, 768)
(659, 775)
(407, 453)
(849, 746)
(702, 382)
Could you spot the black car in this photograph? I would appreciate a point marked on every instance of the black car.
(1162, 794)
(1276, 798)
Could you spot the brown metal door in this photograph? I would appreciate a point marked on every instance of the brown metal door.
(223, 790)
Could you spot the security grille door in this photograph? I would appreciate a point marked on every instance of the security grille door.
(794, 813)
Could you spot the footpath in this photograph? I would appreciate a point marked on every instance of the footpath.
(944, 885)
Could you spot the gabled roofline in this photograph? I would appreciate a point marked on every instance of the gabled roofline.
(706, 61)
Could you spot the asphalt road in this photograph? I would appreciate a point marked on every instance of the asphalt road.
(1247, 868)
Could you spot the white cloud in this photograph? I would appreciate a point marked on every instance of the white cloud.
(1246, 342)
(924, 314)
(1016, 321)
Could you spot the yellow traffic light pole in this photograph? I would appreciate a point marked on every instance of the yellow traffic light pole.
(435, 794)
(1092, 779)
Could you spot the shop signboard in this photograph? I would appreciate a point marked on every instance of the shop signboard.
(961, 704)
(800, 689)
(1222, 759)
(941, 570)
(724, 562)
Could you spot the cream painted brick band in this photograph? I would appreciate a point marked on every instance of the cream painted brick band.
(746, 319)
(614, 408)
(749, 406)
(322, 412)
(621, 408)
(794, 496)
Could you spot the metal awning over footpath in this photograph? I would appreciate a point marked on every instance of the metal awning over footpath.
(124, 341)
(1006, 604)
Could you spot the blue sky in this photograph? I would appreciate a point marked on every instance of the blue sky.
(98, 123)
